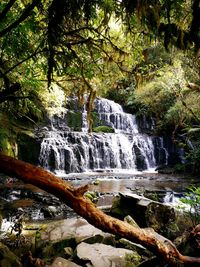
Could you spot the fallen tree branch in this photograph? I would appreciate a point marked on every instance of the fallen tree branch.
(75, 199)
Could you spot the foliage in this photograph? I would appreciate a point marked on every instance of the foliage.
(136, 106)
(103, 129)
(74, 120)
(192, 199)
(77, 43)
(193, 155)
(7, 142)
(53, 100)
(168, 98)
(120, 91)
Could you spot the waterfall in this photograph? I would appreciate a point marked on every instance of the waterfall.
(65, 150)
(169, 197)
(173, 199)
(161, 152)
(114, 116)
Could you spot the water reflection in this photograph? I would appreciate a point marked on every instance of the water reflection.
(114, 183)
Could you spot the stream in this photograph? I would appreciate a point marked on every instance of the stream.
(18, 199)
(167, 188)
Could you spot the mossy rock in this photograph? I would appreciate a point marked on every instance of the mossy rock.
(163, 219)
(103, 129)
(96, 182)
(95, 118)
(7, 143)
(29, 148)
(91, 196)
(8, 147)
(52, 250)
(8, 258)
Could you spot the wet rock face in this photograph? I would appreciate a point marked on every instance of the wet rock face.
(140, 159)
(28, 148)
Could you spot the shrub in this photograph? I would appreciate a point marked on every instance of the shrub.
(192, 199)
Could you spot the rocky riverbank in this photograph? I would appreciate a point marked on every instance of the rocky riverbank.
(73, 242)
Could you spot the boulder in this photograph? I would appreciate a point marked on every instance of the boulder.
(61, 262)
(189, 242)
(57, 237)
(164, 219)
(102, 255)
(130, 204)
(76, 228)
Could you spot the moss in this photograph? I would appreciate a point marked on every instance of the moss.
(96, 182)
(91, 196)
(103, 129)
(96, 119)
(133, 259)
(9, 132)
(7, 143)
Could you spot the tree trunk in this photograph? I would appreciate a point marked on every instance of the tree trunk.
(75, 199)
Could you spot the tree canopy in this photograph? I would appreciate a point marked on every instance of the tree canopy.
(72, 42)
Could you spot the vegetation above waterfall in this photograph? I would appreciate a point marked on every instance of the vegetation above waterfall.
(143, 54)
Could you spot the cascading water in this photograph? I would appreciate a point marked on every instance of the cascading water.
(70, 151)
(113, 114)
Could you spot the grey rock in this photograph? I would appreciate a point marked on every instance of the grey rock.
(78, 228)
(61, 262)
(102, 255)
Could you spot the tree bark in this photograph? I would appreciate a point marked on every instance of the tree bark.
(74, 198)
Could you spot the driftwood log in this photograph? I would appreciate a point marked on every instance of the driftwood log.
(75, 199)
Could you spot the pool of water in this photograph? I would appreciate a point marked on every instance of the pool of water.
(126, 183)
